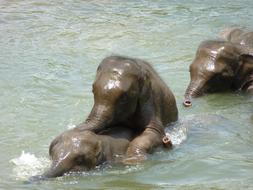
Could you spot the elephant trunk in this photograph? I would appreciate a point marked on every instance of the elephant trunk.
(60, 166)
(57, 169)
(194, 90)
(99, 117)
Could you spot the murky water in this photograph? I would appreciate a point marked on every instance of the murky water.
(49, 51)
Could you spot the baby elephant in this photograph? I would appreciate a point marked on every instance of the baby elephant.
(220, 66)
(76, 150)
(129, 92)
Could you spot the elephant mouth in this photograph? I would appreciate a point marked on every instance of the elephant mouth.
(81, 168)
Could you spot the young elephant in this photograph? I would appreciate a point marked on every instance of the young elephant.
(220, 66)
(77, 151)
(128, 92)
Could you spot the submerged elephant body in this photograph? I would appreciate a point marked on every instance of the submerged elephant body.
(128, 92)
(219, 66)
(77, 151)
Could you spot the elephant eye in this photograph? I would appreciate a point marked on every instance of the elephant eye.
(80, 160)
(124, 98)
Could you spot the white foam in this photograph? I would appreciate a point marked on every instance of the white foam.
(71, 126)
(177, 134)
(27, 165)
(126, 170)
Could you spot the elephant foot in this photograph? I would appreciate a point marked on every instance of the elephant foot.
(134, 160)
(134, 156)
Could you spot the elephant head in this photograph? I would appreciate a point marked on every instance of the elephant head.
(218, 66)
(232, 34)
(73, 151)
(118, 89)
(237, 35)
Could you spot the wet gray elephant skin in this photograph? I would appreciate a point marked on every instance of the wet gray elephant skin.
(128, 92)
(239, 36)
(77, 151)
(220, 66)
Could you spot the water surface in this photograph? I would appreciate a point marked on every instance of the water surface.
(49, 52)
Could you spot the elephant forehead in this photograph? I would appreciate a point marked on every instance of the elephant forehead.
(75, 141)
(118, 71)
(78, 142)
(116, 81)
(75, 146)
(122, 71)
(214, 52)
(120, 67)
(112, 84)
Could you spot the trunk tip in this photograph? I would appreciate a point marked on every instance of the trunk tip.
(187, 103)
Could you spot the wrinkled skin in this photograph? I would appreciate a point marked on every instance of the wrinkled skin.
(239, 36)
(75, 150)
(219, 66)
(128, 92)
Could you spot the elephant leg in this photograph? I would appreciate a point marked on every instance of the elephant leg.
(149, 139)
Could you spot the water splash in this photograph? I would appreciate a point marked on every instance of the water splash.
(71, 126)
(27, 165)
(178, 136)
(177, 133)
(128, 169)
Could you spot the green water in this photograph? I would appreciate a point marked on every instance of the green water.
(49, 51)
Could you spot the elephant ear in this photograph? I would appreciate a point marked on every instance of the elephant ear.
(245, 54)
(244, 50)
(98, 148)
(53, 143)
(90, 140)
(145, 85)
(246, 58)
(245, 71)
(246, 64)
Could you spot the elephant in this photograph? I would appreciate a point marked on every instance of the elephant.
(239, 36)
(220, 66)
(78, 151)
(129, 92)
